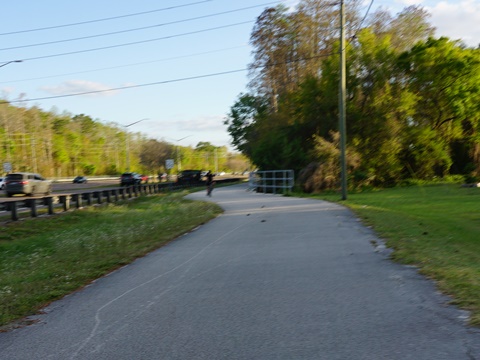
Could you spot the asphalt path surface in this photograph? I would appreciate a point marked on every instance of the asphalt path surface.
(272, 278)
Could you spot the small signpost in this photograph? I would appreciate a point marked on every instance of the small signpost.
(7, 167)
(169, 163)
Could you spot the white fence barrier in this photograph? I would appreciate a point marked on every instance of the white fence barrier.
(272, 181)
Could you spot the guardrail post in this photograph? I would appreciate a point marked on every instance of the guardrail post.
(115, 194)
(65, 201)
(13, 210)
(98, 195)
(48, 201)
(78, 200)
(107, 195)
(88, 197)
(33, 207)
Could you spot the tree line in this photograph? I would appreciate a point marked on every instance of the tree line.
(413, 106)
(64, 145)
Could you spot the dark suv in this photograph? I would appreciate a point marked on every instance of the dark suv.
(130, 178)
(189, 176)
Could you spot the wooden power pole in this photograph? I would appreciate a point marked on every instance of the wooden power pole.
(341, 103)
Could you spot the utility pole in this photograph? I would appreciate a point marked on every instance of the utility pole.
(341, 103)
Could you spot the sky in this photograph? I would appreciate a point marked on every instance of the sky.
(176, 66)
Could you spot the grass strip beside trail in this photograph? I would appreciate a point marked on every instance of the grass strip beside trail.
(436, 228)
(44, 259)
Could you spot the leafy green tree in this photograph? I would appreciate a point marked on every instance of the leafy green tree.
(205, 146)
(376, 108)
(409, 27)
(446, 77)
(154, 155)
(89, 169)
(242, 119)
(273, 38)
(427, 155)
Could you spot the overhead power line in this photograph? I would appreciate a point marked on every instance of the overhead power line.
(126, 65)
(139, 28)
(104, 19)
(136, 42)
(364, 18)
(126, 87)
(160, 82)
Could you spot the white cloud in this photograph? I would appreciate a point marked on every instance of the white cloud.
(78, 87)
(190, 131)
(410, 2)
(193, 125)
(208, 123)
(6, 91)
(457, 20)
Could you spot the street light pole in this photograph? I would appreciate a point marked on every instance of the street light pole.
(9, 62)
(179, 165)
(127, 144)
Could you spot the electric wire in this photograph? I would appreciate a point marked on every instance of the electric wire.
(125, 87)
(125, 65)
(153, 83)
(137, 29)
(136, 42)
(103, 19)
(161, 82)
(354, 36)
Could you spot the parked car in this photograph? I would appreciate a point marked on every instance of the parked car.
(80, 180)
(130, 178)
(28, 184)
(144, 178)
(189, 176)
(2, 183)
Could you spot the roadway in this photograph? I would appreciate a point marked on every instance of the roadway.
(61, 187)
(272, 278)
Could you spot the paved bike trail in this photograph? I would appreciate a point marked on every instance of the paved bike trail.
(272, 278)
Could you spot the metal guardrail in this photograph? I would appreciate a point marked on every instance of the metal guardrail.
(68, 201)
(89, 178)
(272, 181)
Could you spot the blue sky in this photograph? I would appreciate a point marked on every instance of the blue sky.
(196, 67)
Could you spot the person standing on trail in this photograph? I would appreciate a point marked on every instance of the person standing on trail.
(210, 183)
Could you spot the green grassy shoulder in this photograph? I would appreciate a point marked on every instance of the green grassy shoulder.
(44, 259)
(434, 227)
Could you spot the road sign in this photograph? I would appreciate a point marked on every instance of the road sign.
(7, 167)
